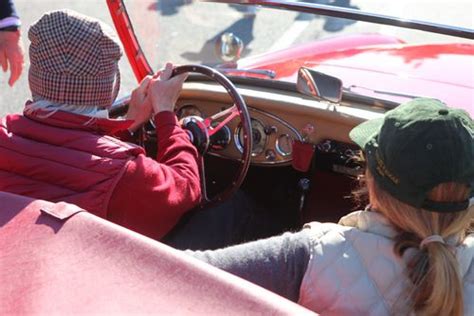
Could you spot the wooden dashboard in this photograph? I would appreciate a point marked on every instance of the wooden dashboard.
(278, 118)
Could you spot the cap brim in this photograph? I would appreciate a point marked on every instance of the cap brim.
(365, 132)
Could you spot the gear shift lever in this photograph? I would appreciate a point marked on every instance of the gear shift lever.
(304, 185)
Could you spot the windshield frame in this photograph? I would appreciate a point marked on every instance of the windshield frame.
(138, 61)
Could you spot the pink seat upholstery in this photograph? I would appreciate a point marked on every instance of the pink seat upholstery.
(56, 258)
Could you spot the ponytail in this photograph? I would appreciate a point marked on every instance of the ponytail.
(436, 284)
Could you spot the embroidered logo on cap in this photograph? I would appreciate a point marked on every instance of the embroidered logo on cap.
(383, 170)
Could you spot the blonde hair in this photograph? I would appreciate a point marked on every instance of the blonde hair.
(433, 271)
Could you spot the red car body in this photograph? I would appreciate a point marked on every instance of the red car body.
(383, 63)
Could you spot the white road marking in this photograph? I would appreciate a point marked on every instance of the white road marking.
(290, 35)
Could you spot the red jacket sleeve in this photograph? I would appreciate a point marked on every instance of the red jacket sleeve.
(152, 195)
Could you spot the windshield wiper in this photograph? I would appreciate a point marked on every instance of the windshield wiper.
(264, 72)
(391, 93)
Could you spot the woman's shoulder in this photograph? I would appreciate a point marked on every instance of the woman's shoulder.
(363, 222)
(360, 234)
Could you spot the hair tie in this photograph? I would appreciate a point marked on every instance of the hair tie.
(432, 238)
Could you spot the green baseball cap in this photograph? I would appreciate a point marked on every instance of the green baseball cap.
(415, 147)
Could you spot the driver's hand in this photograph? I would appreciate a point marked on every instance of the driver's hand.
(140, 109)
(11, 54)
(164, 90)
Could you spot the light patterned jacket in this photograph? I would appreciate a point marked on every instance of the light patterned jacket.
(353, 269)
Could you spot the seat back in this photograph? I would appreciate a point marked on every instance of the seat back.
(59, 259)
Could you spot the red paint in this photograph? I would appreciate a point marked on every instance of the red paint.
(123, 25)
(67, 261)
(287, 62)
(443, 71)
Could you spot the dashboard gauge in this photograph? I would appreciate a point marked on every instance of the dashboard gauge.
(188, 110)
(259, 137)
(284, 145)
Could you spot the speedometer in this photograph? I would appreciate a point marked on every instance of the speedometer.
(259, 137)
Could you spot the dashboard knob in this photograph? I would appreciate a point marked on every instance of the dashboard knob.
(271, 129)
(270, 155)
(326, 146)
(304, 185)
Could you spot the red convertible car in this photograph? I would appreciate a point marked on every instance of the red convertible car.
(273, 91)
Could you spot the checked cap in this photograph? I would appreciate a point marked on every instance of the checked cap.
(73, 60)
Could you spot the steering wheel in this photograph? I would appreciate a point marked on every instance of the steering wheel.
(200, 130)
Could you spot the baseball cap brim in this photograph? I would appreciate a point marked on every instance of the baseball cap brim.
(367, 131)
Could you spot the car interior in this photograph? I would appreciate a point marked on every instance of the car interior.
(281, 115)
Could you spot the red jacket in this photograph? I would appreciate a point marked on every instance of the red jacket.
(73, 158)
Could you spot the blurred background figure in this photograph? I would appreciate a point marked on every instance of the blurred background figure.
(247, 10)
(169, 7)
(331, 24)
(11, 48)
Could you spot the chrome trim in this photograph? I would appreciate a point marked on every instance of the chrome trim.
(278, 148)
(261, 164)
(281, 159)
(237, 141)
(281, 121)
(264, 72)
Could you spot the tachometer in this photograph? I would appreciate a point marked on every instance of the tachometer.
(258, 136)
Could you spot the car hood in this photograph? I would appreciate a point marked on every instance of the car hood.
(443, 71)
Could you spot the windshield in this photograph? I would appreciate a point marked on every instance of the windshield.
(272, 44)
(186, 31)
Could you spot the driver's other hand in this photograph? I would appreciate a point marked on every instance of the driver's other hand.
(140, 109)
(11, 54)
(164, 90)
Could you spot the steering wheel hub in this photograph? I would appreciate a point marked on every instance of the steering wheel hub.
(197, 132)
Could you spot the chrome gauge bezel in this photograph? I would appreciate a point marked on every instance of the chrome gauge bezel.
(256, 151)
(278, 148)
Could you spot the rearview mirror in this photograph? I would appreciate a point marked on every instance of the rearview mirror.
(229, 47)
(319, 85)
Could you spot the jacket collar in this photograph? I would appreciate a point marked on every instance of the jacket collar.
(79, 122)
(369, 221)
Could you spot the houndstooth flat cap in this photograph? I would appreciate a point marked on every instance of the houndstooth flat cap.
(73, 59)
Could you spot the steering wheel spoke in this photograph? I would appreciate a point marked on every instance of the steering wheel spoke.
(231, 113)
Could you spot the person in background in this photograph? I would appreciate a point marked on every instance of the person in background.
(11, 47)
(331, 24)
(65, 148)
(409, 252)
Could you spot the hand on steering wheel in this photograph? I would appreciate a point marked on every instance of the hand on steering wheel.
(201, 130)
(164, 89)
